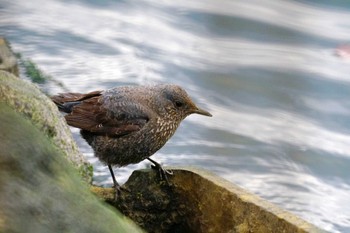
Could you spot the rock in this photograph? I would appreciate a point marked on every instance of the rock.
(154, 206)
(197, 201)
(8, 60)
(40, 191)
(25, 98)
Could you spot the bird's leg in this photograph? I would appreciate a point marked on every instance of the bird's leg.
(116, 186)
(162, 172)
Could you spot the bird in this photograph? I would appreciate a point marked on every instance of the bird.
(128, 124)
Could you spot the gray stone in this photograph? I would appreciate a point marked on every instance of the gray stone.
(8, 61)
(40, 191)
(25, 98)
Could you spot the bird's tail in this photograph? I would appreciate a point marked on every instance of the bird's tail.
(66, 101)
(67, 107)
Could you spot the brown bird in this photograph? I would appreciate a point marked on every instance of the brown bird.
(128, 124)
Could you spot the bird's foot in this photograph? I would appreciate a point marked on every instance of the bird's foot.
(118, 190)
(163, 173)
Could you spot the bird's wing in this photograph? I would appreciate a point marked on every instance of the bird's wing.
(90, 112)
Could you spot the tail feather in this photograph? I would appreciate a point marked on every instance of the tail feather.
(67, 107)
(66, 101)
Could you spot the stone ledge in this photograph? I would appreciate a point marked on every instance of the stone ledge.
(198, 201)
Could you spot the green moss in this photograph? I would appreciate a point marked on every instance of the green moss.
(18, 55)
(33, 72)
(86, 172)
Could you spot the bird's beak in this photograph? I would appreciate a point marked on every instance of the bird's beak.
(202, 112)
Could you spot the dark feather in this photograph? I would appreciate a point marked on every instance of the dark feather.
(88, 112)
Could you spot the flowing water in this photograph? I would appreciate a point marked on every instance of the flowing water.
(266, 70)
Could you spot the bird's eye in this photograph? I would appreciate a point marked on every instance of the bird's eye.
(178, 103)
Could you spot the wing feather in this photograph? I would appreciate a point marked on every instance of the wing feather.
(90, 112)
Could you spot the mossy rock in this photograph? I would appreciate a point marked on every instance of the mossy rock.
(40, 191)
(25, 98)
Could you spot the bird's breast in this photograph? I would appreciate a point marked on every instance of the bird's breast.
(161, 131)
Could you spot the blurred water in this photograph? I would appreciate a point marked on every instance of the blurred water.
(266, 70)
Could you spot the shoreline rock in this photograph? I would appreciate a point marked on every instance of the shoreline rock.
(199, 202)
(25, 98)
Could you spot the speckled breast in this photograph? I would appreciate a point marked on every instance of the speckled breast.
(134, 147)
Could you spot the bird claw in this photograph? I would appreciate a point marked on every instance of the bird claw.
(117, 191)
(163, 173)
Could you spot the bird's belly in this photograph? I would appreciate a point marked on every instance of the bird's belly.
(125, 150)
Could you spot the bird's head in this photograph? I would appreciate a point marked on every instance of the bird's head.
(177, 103)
